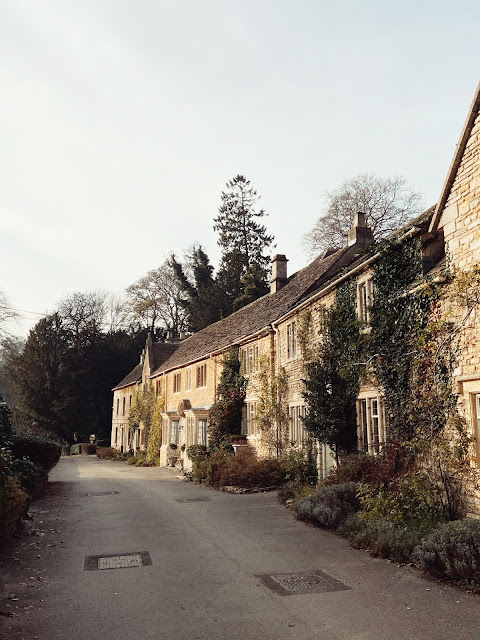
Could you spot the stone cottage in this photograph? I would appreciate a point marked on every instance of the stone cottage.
(186, 374)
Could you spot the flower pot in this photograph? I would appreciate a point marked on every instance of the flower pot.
(236, 447)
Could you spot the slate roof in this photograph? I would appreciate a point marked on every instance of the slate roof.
(132, 378)
(260, 314)
(161, 352)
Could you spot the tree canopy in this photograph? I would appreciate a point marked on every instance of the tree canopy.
(387, 203)
(155, 301)
(61, 381)
(203, 299)
(244, 241)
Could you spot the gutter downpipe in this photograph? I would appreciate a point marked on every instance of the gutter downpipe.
(276, 335)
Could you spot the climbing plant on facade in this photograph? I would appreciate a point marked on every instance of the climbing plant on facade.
(271, 416)
(154, 440)
(332, 378)
(225, 415)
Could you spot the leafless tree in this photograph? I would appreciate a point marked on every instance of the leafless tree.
(388, 203)
(155, 300)
(7, 316)
(94, 310)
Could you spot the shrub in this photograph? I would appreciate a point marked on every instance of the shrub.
(39, 450)
(452, 553)
(32, 477)
(246, 470)
(6, 424)
(140, 458)
(206, 469)
(393, 461)
(294, 490)
(89, 449)
(356, 467)
(329, 506)
(13, 499)
(196, 452)
(106, 453)
(408, 502)
(381, 538)
(298, 466)
(242, 470)
(76, 449)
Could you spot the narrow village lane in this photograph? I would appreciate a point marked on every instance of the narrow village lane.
(86, 574)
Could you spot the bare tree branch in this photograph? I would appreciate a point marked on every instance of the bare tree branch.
(388, 203)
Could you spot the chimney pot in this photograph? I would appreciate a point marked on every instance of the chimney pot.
(360, 235)
(279, 272)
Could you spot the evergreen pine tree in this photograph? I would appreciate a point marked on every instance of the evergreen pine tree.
(243, 240)
(203, 302)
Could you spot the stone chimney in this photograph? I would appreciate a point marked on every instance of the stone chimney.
(360, 235)
(170, 338)
(279, 272)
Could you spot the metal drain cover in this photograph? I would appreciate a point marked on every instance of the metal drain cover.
(300, 582)
(194, 500)
(98, 493)
(117, 561)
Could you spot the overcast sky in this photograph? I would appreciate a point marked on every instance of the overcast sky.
(121, 121)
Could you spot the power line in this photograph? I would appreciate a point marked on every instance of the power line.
(36, 313)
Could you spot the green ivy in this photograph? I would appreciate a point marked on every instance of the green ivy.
(332, 381)
(402, 340)
(225, 415)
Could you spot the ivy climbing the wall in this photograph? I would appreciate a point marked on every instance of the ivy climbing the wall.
(332, 377)
(225, 415)
(403, 339)
(272, 409)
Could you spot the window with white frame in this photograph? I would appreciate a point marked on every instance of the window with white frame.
(291, 340)
(202, 375)
(297, 433)
(365, 291)
(177, 382)
(371, 423)
(250, 359)
(251, 412)
(202, 431)
(189, 439)
(188, 380)
(476, 420)
(244, 427)
(175, 431)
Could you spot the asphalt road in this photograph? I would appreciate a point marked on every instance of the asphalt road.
(207, 550)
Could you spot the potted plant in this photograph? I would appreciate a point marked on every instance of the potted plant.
(237, 441)
(172, 457)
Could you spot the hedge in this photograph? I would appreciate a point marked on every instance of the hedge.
(39, 450)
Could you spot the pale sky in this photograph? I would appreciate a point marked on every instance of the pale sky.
(121, 121)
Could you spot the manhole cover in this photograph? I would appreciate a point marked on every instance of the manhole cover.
(117, 561)
(99, 493)
(289, 584)
(194, 500)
